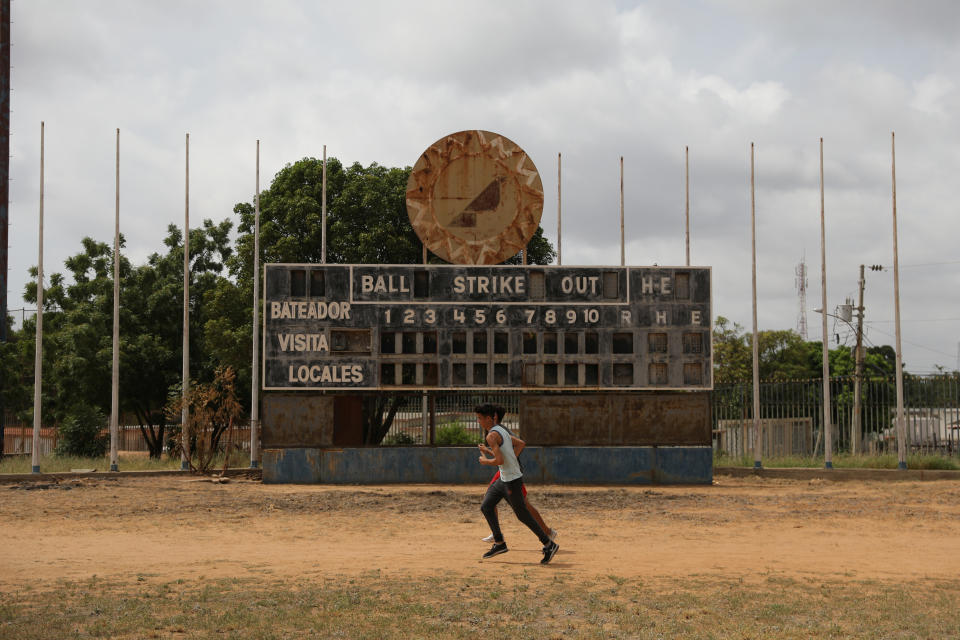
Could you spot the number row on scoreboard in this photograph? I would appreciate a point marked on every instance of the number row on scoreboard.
(454, 315)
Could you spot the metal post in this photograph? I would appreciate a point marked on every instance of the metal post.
(115, 383)
(901, 423)
(623, 260)
(686, 151)
(858, 375)
(758, 436)
(255, 386)
(4, 186)
(827, 426)
(424, 413)
(38, 357)
(185, 391)
(323, 211)
(559, 200)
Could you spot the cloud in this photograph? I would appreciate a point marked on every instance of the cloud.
(379, 81)
(934, 95)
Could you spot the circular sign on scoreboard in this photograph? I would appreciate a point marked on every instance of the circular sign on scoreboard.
(475, 197)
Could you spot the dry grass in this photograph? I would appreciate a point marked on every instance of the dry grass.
(526, 606)
(842, 461)
(126, 461)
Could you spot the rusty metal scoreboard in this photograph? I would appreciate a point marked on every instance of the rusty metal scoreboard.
(532, 327)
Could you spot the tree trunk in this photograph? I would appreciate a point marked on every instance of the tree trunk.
(152, 436)
(375, 423)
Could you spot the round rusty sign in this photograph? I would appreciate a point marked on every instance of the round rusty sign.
(475, 197)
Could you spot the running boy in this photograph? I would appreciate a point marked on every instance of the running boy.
(500, 449)
(518, 446)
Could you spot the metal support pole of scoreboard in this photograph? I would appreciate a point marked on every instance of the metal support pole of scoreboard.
(623, 255)
(686, 151)
(424, 401)
(559, 199)
(323, 210)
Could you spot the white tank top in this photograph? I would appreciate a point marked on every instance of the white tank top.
(510, 469)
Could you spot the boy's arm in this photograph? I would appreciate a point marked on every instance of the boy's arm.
(518, 444)
(493, 442)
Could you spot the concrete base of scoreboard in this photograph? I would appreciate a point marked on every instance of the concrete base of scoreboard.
(458, 465)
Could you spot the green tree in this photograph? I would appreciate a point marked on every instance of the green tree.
(784, 355)
(367, 223)
(732, 357)
(367, 220)
(78, 332)
(81, 433)
(16, 369)
(77, 337)
(151, 330)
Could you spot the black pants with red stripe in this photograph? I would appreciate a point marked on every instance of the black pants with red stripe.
(513, 492)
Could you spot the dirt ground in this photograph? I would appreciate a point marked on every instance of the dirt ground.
(176, 527)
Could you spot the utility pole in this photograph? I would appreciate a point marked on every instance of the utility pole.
(858, 375)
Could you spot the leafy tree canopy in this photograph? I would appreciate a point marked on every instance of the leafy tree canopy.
(367, 219)
(784, 355)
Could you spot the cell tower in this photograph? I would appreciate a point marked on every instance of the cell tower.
(801, 284)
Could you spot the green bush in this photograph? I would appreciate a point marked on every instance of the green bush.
(80, 433)
(401, 438)
(454, 433)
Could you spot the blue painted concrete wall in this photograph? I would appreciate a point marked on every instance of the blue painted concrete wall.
(459, 465)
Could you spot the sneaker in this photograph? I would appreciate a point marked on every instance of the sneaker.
(489, 538)
(496, 549)
(553, 534)
(549, 551)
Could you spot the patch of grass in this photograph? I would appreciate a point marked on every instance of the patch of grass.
(125, 462)
(528, 606)
(456, 433)
(841, 461)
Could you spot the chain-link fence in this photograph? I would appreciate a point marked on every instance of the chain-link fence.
(791, 416)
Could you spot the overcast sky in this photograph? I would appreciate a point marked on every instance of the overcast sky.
(380, 81)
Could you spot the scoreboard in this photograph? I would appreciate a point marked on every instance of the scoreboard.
(456, 327)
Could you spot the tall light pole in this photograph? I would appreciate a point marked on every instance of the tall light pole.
(185, 391)
(827, 426)
(38, 355)
(115, 380)
(758, 435)
(255, 387)
(901, 421)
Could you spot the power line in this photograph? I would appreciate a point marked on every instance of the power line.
(880, 267)
(929, 264)
(912, 321)
(919, 346)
